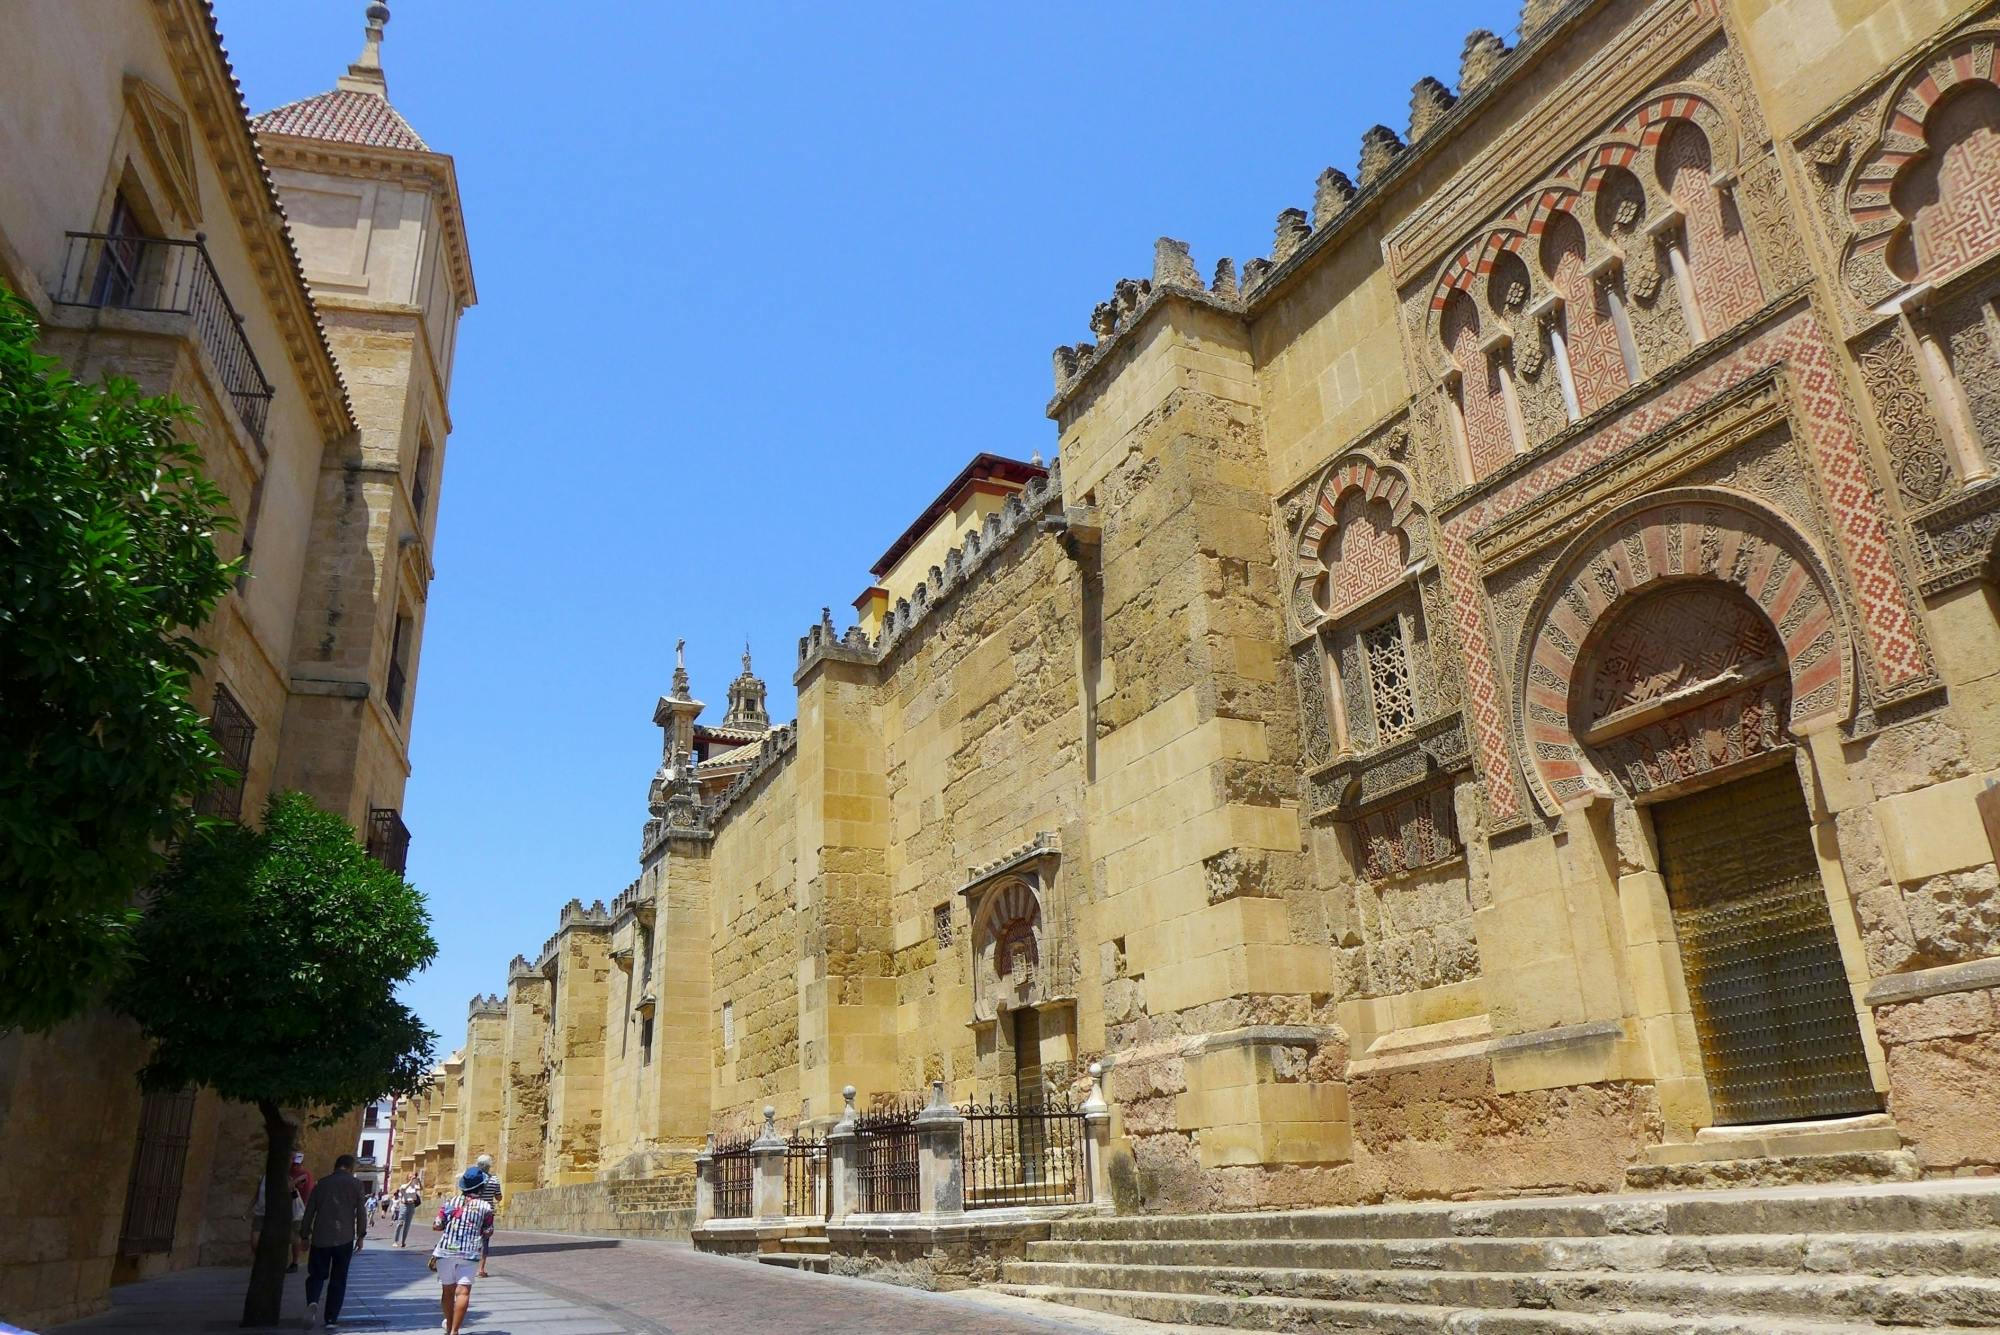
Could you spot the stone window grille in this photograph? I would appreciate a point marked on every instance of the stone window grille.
(1391, 691)
(728, 1025)
(941, 925)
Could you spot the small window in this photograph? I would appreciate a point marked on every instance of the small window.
(367, 1149)
(1391, 693)
(420, 485)
(235, 735)
(728, 1025)
(646, 1041)
(371, 1117)
(941, 925)
(399, 654)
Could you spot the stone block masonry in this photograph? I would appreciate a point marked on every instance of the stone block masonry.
(1449, 655)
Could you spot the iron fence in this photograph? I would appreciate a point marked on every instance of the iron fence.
(886, 1140)
(735, 1177)
(808, 1191)
(1025, 1154)
(148, 273)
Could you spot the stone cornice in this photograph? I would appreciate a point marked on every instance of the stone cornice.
(435, 169)
(215, 103)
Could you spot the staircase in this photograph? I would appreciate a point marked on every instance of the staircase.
(805, 1251)
(1813, 1260)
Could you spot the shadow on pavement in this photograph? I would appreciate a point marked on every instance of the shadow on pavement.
(525, 1248)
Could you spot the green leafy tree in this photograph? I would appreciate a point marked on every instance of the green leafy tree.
(107, 562)
(265, 968)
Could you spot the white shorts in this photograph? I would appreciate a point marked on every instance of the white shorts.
(456, 1271)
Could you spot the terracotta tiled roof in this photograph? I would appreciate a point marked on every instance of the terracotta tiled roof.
(343, 116)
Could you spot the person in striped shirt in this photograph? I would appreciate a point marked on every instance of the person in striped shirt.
(464, 1221)
(488, 1191)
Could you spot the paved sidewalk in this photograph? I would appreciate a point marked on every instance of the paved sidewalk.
(389, 1292)
(561, 1284)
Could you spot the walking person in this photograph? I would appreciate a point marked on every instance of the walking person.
(408, 1199)
(334, 1227)
(488, 1191)
(464, 1221)
(302, 1190)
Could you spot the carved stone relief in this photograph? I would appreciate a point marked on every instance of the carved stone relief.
(1917, 456)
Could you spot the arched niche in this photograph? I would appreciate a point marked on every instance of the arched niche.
(1686, 537)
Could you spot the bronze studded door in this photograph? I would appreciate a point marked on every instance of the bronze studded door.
(1779, 1037)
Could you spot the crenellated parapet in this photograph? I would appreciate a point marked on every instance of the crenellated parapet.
(489, 1004)
(1041, 499)
(1336, 196)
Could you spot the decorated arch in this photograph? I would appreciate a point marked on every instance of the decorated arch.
(1359, 516)
(1731, 556)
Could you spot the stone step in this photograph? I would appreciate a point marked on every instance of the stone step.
(1923, 1301)
(812, 1244)
(815, 1262)
(1891, 1165)
(1259, 1313)
(1939, 1205)
(1970, 1252)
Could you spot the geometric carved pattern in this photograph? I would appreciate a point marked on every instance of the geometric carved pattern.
(1718, 253)
(1686, 680)
(1489, 435)
(1663, 542)
(1596, 362)
(1916, 451)
(1391, 693)
(1376, 501)
(1952, 195)
(1006, 948)
(1898, 655)
(1958, 214)
(1405, 835)
(1364, 554)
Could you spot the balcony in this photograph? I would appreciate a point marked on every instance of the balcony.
(143, 273)
(388, 838)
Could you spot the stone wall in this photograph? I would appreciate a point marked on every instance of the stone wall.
(661, 1208)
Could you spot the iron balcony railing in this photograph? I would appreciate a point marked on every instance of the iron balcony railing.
(388, 838)
(147, 273)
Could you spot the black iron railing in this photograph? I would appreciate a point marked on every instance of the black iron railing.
(735, 1177)
(146, 273)
(389, 838)
(808, 1192)
(1025, 1154)
(886, 1144)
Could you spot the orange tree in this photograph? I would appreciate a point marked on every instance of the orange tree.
(107, 562)
(265, 968)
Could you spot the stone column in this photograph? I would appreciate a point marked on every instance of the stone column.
(767, 1171)
(940, 1157)
(843, 1162)
(1097, 1132)
(704, 1183)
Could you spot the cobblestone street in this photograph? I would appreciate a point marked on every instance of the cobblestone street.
(550, 1284)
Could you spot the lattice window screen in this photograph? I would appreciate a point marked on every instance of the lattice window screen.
(1391, 691)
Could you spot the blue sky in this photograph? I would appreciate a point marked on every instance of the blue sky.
(755, 281)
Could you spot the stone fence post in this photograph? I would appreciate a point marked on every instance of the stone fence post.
(767, 1171)
(1097, 1131)
(704, 1183)
(843, 1162)
(940, 1156)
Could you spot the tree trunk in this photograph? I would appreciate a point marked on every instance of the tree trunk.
(266, 1295)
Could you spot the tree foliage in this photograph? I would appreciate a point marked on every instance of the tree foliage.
(267, 962)
(265, 968)
(107, 563)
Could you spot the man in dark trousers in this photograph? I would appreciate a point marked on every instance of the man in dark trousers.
(334, 1226)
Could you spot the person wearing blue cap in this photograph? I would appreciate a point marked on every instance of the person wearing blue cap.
(464, 1221)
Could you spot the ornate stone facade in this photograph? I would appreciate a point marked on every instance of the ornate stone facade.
(1301, 746)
